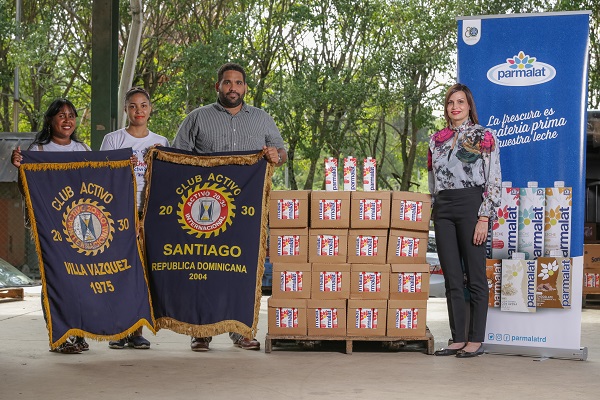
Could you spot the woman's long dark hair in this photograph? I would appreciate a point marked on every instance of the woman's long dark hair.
(45, 135)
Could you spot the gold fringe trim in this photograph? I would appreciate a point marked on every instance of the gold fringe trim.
(75, 165)
(141, 247)
(203, 161)
(78, 332)
(262, 254)
(204, 330)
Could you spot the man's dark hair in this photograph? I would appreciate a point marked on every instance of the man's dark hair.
(230, 67)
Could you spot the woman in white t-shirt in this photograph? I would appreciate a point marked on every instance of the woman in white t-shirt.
(58, 134)
(137, 136)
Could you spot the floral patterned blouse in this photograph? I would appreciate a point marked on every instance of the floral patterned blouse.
(474, 161)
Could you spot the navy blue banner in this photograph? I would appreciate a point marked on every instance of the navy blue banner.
(205, 236)
(82, 210)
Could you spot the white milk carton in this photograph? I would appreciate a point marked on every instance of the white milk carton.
(488, 241)
(531, 221)
(505, 228)
(350, 173)
(557, 221)
(331, 174)
(369, 174)
(519, 282)
(554, 288)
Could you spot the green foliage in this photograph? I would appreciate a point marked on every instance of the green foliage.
(340, 77)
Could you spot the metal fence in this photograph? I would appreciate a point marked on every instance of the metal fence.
(16, 244)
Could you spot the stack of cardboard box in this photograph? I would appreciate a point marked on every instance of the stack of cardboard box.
(360, 257)
(591, 260)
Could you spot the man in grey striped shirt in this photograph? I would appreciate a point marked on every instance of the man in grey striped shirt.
(230, 125)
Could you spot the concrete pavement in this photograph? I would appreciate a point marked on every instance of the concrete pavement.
(170, 370)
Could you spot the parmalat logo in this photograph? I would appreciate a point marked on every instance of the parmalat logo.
(521, 70)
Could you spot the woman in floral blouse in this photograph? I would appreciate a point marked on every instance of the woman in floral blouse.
(464, 181)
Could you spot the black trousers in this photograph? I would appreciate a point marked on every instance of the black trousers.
(455, 216)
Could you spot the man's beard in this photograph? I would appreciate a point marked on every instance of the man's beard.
(225, 102)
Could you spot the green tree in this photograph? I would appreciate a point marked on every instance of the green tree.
(7, 67)
(326, 76)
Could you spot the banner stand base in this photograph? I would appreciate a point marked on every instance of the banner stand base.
(539, 352)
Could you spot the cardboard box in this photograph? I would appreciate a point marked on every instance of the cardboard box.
(591, 255)
(367, 317)
(330, 209)
(370, 210)
(328, 246)
(367, 246)
(330, 281)
(404, 282)
(291, 280)
(407, 247)
(410, 210)
(287, 316)
(288, 245)
(402, 319)
(591, 280)
(589, 232)
(369, 281)
(289, 209)
(326, 317)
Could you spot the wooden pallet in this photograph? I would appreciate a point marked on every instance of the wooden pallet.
(590, 300)
(8, 294)
(392, 343)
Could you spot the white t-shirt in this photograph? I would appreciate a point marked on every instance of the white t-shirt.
(121, 139)
(51, 146)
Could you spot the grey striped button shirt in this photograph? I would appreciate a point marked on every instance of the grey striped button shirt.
(212, 129)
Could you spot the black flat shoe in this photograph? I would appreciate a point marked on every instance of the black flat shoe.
(468, 354)
(447, 352)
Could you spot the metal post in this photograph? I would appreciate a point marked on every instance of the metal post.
(105, 66)
(133, 46)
